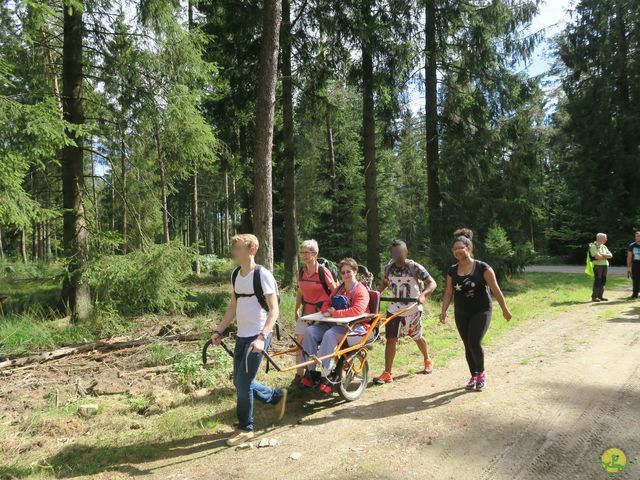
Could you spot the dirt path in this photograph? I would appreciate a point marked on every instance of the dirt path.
(561, 391)
(571, 269)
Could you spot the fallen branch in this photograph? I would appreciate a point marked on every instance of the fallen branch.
(100, 346)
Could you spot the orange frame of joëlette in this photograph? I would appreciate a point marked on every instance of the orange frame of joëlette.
(375, 320)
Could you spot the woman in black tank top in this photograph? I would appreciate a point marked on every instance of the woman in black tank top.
(470, 283)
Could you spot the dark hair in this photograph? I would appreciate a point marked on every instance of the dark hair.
(398, 243)
(349, 262)
(465, 236)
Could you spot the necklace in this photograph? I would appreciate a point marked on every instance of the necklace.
(309, 275)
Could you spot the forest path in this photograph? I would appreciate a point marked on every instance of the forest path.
(561, 391)
(613, 270)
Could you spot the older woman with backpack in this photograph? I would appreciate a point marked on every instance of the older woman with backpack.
(316, 281)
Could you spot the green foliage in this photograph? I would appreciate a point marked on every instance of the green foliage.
(140, 403)
(143, 281)
(161, 354)
(595, 141)
(187, 368)
(211, 262)
(31, 332)
(502, 256)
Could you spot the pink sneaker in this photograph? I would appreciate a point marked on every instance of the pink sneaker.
(481, 381)
(471, 384)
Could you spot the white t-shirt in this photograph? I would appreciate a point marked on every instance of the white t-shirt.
(249, 313)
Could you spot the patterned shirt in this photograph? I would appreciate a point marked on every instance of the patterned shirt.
(403, 282)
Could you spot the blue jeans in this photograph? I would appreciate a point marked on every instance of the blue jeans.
(245, 370)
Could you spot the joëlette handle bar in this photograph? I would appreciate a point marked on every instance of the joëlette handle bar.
(399, 299)
(228, 350)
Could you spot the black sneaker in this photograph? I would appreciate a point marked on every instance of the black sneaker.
(596, 300)
(602, 299)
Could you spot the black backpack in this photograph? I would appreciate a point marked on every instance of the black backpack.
(257, 287)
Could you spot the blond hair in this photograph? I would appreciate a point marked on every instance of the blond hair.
(247, 239)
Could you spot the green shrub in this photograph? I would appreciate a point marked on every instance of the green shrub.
(212, 262)
(502, 256)
(140, 403)
(143, 281)
(187, 368)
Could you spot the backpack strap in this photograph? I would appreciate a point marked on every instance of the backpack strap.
(322, 275)
(257, 288)
(234, 275)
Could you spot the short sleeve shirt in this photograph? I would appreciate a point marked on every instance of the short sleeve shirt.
(404, 284)
(634, 248)
(470, 292)
(249, 313)
(595, 249)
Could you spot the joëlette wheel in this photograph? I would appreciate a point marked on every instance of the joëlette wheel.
(354, 375)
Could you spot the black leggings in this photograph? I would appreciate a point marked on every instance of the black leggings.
(472, 328)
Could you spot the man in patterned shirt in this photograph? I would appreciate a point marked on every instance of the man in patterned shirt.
(408, 280)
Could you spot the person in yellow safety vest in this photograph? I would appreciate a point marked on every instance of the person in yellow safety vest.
(600, 256)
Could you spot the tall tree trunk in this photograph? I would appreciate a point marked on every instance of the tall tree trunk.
(194, 224)
(246, 197)
(227, 212)
(289, 185)
(75, 291)
(369, 146)
(434, 197)
(163, 188)
(34, 241)
(333, 173)
(195, 219)
(94, 193)
(234, 209)
(265, 106)
(23, 245)
(124, 171)
(52, 69)
(113, 196)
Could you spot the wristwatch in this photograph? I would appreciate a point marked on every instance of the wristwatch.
(264, 337)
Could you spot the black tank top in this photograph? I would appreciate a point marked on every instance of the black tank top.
(470, 292)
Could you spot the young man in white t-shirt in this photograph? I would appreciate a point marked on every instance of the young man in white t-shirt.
(405, 277)
(255, 326)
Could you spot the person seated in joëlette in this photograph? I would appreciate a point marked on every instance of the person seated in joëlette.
(350, 299)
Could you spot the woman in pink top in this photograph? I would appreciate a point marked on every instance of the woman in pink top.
(315, 283)
(355, 298)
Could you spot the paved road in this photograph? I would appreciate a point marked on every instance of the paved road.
(570, 269)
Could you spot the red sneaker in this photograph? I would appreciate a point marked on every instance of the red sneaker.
(324, 389)
(428, 366)
(306, 381)
(386, 377)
